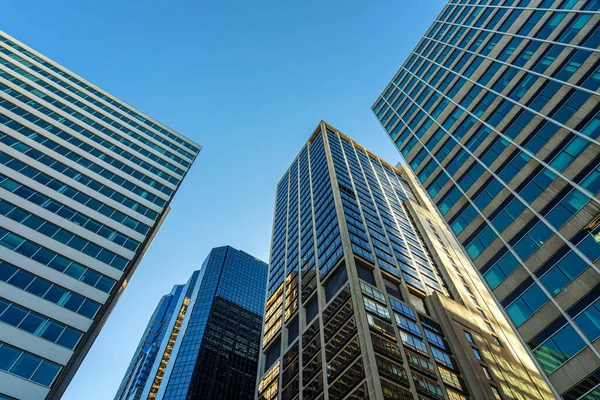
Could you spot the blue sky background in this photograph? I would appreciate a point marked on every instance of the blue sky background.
(249, 81)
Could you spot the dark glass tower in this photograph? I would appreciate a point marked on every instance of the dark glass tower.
(209, 348)
(497, 111)
(86, 181)
(371, 297)
(136, 377)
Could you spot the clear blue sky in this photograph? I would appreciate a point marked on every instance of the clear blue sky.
(249, 81)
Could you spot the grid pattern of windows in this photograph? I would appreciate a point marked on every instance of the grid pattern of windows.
(335, 191)
(497, 112)
(238, 280)
(86, 180)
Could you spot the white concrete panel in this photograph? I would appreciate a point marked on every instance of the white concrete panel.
(20, 388)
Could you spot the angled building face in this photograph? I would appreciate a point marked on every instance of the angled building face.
(85, 183)
(497, 113)
(209, 347)
(370, 296)
(137, 374)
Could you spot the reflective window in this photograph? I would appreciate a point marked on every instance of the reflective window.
(563, 345)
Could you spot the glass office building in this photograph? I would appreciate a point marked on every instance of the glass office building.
(136, 377)
(85, 182)
(497, 113)
(370, 296)
(206, 345)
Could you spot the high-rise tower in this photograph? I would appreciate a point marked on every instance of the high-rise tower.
(205, 344)
(85, 183)
(497, 112)
(138, 372)
(370, 296)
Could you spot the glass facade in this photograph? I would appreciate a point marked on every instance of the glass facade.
(204, 343)
(497, 112)
(137, 374)
(357, 293)
(86, 182)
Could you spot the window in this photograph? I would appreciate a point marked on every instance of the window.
(450, 378)
(49, 229)
(486, 372)
(477, 354)
(497, 341)
(496, 393)
(27, 366)
(407, 325)
(38, 325)
(534, 239)
(469, 337)
(526, 304)
(563, 272)
(568, 206)
(376, 309)
(56, 261)
(455, 396)
(435, 339)
(479, 243)
(589, 321)
(413, 342)
(559, 348)
(442, 357)
(500, 270)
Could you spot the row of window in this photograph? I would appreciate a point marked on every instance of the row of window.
(55, 261)
(107, 99)
(38, 325)
(67, 108)
(49, 128)
(68, 213)
(62, 235)
(69, 172)
(99, 115)
(27, 365)
(47, 290)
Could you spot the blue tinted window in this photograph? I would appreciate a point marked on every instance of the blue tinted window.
(563, 273)
(589, 321)
(563, 345)
(526, 304)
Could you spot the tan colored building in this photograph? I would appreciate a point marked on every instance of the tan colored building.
(370, 296)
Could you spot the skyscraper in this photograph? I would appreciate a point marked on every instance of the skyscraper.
(370, 296)
(137, 374)
(203, 340)
(85, 183)
(497, 112)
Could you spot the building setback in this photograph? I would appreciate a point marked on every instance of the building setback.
(497, 113)
(85, 183)
(206, 345)
(370, 296)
